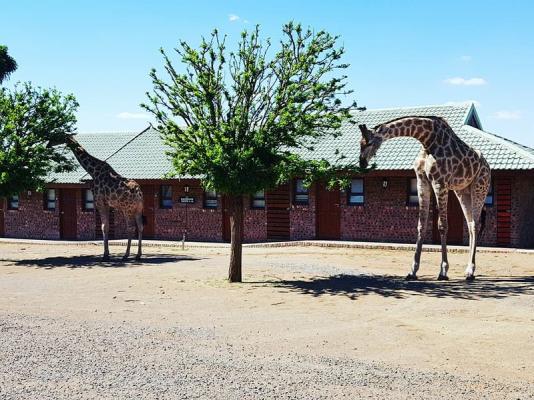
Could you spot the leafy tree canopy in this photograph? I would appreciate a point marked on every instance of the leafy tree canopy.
(30, 118)
(233, 118)
(7, 64)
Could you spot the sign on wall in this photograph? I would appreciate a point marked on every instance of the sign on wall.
(187, 200)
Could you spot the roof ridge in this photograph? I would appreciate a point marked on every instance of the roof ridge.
(122, 147)
(468, 105)
(108, 133)
(514, 146)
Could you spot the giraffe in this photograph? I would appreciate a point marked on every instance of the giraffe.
(111, 190)
(445, 163)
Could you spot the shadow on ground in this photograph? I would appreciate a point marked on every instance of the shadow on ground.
(90, 261)
(354, 286)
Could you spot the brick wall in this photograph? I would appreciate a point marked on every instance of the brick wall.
(522, 211)
(31, 221)
(385, 216)
(302, 224)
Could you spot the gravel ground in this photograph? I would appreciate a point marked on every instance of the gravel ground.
(46, 358)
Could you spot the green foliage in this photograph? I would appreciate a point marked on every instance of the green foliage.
(7, 64)
(233, 118)
(30, 118)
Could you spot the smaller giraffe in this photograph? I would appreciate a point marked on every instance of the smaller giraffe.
(112, 190)
(445, 163)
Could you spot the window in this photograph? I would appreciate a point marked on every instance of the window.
(165, 196)
(13, 202)
(88, 200)
(210, 199)
(489, 197)
(50, 199)
(301, 193)
(413, 197)
(356, 195)
(258, 200)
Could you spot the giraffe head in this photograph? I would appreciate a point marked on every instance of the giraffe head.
(58, 139)
(369, 145)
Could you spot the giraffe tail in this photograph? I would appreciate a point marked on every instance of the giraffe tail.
(482, 221)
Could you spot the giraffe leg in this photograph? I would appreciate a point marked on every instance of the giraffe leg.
(139, 222)
(104, 217)
(130, 227)
(423, 190)
(442, 197)
(466, 202)
(479, 191)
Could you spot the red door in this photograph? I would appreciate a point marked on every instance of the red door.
(277, 204)
(67, 214)
(2, 208)
(226, 231)
(328, 213)
(455, 218)
(148, 211)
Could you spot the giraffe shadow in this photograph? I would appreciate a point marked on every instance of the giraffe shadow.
(356, 286)
(91, 261)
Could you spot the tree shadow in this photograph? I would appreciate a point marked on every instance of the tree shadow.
(355, 286)
(92, 261)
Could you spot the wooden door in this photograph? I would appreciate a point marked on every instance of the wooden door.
(328, 213)
(148, 211)
(455, 217)
(67, 214)
(226, 229)
(277, 204)
(2, 208)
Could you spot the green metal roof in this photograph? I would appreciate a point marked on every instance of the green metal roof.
(100, 145)
(143, 155)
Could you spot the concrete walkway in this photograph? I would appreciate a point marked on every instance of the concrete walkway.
(297, 243)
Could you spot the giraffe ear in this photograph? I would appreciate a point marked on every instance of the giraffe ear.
(365, 132)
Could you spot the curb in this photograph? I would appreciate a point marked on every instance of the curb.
(430, 248)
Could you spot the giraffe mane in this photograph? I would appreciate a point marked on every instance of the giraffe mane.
(409, 116)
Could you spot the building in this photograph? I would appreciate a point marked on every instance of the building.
(380, 206)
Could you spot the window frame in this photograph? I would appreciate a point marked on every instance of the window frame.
(491, 192)
(47, 200)
(163, 198)
(409, 193)
(350, 193)
(254, 197)
(10, 202)
(305, 191)
(207, 198)
(85, 201)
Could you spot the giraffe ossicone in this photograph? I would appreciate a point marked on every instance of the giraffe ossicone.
(445, 163)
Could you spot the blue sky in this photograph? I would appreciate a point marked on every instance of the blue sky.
(402, 53)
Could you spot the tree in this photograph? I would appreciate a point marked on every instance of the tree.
(7, 64)
(29, 119)
(235, 119)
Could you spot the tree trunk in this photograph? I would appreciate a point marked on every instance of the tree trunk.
(236, 241)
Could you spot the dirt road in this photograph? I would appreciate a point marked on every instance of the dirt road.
(306, 323)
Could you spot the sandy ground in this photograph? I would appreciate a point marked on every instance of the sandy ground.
(313, 312)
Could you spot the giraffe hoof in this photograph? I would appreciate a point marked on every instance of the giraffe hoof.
(125, 258)
(137, 258)
(470, 278)
(105, 258)
(443, 278)
(411, 277)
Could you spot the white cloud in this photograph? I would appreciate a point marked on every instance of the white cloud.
(130, 115)
(507, 114)
(466, 58)
(463, 103)
(466, 82)
(233, 17)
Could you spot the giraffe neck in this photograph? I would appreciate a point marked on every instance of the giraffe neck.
(425, 130)
(86, 160)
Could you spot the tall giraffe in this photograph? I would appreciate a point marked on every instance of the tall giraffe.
(445, 163)
(111, 190)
